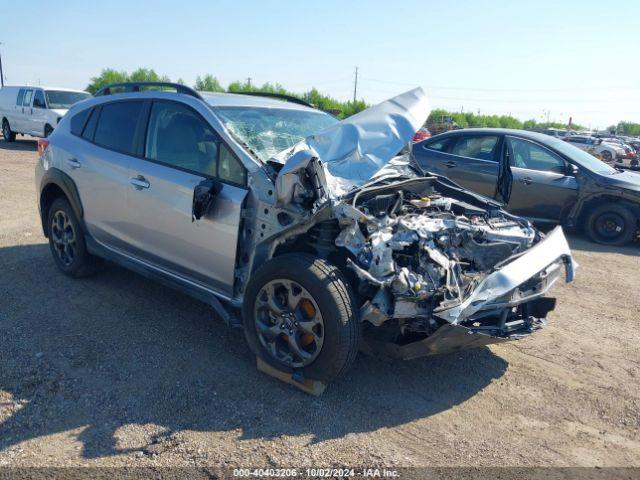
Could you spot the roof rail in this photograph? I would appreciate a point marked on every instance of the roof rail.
(136, 87)
(281, 96)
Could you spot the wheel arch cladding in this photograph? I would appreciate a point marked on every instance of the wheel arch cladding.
(55, 184)
(594, 202)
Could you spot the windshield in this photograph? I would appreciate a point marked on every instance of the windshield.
(268, 131)
(581, 157)
(62, 99)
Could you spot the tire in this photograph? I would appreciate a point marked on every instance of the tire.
(67, 243)
(8, 135)
(324, 291)
(612, 224)
(607, 156)
(48, 129)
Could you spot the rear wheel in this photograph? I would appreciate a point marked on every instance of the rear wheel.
(67, 242)
(606, 156)
(299, 316)
(8, 135)
(612, 224)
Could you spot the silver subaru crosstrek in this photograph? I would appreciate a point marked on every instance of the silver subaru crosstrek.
(319, 237)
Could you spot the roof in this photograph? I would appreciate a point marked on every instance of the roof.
(500, 131)
(46, 87)
(239, 100)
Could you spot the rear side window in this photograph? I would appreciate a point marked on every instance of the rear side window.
(90, 127)
(20, 97)
(38, 100)
(478, 146)
(117, 126)
(78, 121)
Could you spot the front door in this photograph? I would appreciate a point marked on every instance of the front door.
(181, 150)
(543, 184)
(38, 113)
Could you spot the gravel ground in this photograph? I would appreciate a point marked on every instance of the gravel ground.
(117, 370)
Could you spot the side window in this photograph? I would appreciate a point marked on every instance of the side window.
(438, 145)
(475, 146)
(178, 136)
(525, 154)
(117, 126)
(27, 98)
(229, 168)
(38, 100)
(20, 97)
(78, 121)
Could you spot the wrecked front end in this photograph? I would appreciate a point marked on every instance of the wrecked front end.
(439, 269)
(435, 267)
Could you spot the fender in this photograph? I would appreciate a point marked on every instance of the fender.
(55, 176)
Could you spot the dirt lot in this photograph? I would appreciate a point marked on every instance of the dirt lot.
(118, 370)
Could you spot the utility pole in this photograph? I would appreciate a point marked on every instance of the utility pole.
(1, 74)
(355, 87)
(249, 81)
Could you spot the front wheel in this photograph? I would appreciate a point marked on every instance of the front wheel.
(299, 315)
(611, 224)
(606, 156)
(8, 135)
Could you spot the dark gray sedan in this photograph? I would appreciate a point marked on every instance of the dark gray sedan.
(539, 177)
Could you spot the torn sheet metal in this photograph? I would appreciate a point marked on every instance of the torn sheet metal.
(554, 248)
(353, 150)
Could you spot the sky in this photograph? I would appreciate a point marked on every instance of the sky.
(532, 59)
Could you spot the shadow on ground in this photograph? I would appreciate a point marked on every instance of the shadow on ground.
(582, 243)
(22, 145)
(117, 349)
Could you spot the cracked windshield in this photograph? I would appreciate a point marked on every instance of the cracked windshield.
(268, 131)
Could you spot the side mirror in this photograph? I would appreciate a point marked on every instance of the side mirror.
(572, 170)
(204, 195)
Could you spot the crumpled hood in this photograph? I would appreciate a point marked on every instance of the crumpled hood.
(353, 150)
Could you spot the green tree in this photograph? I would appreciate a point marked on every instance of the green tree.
(107, 76)
(208, 83)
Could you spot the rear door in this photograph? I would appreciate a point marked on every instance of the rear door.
(24, 112)
(107, 138)
(180, 151)
(543, 185)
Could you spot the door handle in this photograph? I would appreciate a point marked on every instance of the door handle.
(450, 164)
(139, 182)
(74, 163)
(526, 180)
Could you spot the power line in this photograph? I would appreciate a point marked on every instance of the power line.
(483, 89)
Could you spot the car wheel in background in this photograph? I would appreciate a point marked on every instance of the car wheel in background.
(299, 315)
(611, 224)
(67, 242)
(8, 135)
(606, 156)
(47, 130)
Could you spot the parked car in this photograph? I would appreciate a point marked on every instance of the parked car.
(34, 110)
(421, 134)
(315, 232)
(597, 146)
(539, 177)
